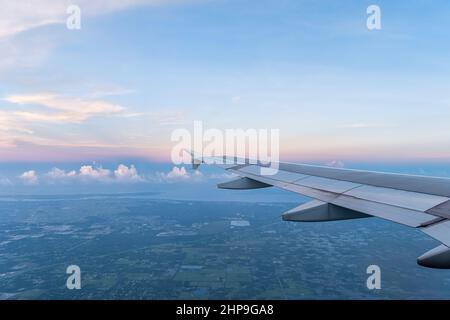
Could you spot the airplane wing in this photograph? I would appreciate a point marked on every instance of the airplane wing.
(339, 194)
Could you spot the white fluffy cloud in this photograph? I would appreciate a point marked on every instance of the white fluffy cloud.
(124, 173)
(88, 173)
(94, 173)
(29, 177)
(179, 174)
(57, 174)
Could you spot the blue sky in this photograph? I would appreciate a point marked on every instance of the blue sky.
(113, 92)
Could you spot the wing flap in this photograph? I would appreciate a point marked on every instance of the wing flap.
(397, 214)
(399, 198)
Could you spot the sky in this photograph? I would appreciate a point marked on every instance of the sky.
(100, 102)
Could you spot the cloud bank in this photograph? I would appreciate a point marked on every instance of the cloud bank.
(89, 173)
(60, 109)
(122, 174)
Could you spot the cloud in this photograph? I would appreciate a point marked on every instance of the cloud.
(8, 122)
(27, 117)
(130, 174)
(179, 174)
(123, 174)
(18, 16)
(58, 174)
(19, 50)
(18, 54)
(62, 109)
(29, 177)
(89, 173)
(335, 164)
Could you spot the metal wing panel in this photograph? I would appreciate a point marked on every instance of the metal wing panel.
(332, 185)
(311, 192)
(400, 198)
(307, 191)
(400, 215)
(280, 175)
(420, 184)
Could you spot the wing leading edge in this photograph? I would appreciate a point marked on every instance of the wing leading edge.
(340, 194)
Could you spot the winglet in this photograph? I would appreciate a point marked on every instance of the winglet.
(197, 159)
